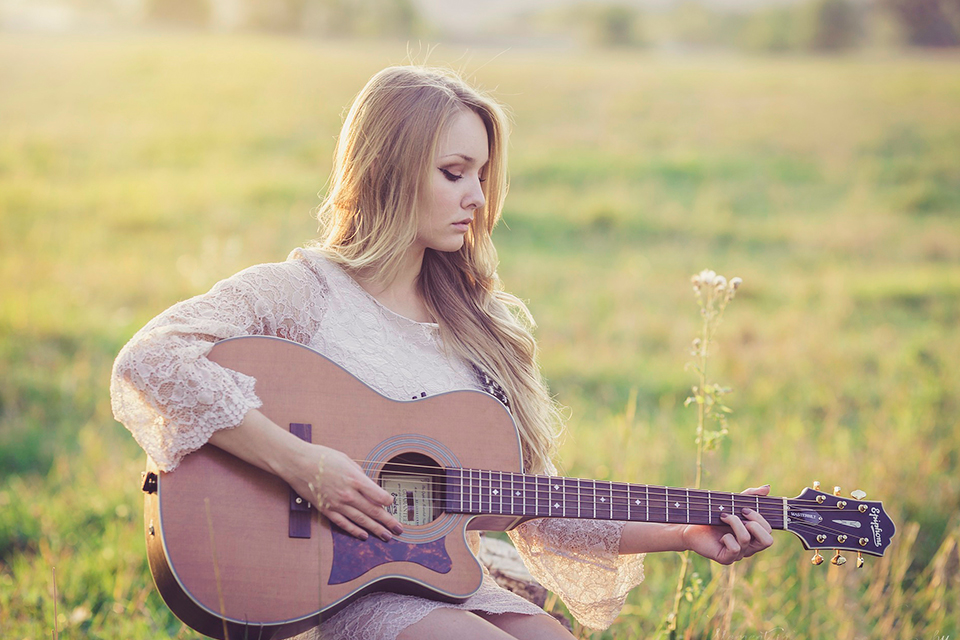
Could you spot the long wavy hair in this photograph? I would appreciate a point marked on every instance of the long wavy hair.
(369, 218)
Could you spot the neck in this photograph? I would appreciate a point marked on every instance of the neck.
(400, 293)
(518, 494)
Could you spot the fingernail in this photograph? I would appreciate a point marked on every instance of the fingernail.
(364, 535)
(386, 537)
(766, 485)
(745, 511)
(724, 516)
(397, 529)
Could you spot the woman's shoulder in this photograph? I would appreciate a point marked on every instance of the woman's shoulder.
(303, 267)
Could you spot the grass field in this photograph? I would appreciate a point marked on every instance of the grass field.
(137, 171)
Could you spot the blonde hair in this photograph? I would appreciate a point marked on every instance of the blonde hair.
(383, 159)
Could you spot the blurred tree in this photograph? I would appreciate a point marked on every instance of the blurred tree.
(605, 25)
(835, 25)
(276, 15)
(772, 30)
(928, 23)
(336, 18)
(190, 13)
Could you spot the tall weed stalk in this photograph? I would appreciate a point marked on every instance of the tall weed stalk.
(713, 293)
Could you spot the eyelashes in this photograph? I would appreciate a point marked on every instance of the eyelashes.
(453, 177)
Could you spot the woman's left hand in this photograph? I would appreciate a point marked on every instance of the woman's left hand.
(744, 534)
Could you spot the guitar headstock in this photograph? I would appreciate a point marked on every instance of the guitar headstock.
(824, 521)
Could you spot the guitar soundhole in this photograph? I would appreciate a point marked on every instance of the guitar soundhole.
(416, 483)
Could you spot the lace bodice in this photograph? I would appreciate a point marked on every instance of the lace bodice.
(172, 399)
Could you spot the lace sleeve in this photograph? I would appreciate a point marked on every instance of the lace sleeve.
(580, 561)
(166, 391)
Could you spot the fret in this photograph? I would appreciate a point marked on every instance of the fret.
(454, 488)
(512, 490)
(646, 492)
(485, 491)
(722, 503)
(588, 503)
(657, 504)
(500, 492)
(571, 503)
(709, 508)
(675, 502)
(594, 499)
(543, 496)
(553, 492)
(639, 507)
(529, 495)
(620, 503)
(604, 495)
(699, 506)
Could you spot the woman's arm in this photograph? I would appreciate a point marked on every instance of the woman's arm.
(740, 538)
(335, 483)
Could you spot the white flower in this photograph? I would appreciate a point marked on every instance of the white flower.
(707, 276)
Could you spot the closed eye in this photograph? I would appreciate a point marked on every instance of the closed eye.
(449, 175)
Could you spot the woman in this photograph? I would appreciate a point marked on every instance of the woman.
(402, 291)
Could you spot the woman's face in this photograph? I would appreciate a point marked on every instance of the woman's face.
(453, 187)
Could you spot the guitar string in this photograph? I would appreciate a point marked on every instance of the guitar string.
(774, 514)
(531, 483)
(441, 472)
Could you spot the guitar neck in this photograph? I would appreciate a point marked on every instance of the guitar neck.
(478, 491)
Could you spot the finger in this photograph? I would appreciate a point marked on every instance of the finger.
(374, 492)
(754, 516)
(760, 535)
(730, 542)
(368, 523)
(739, 530)
(342, 522)
(757, 491)
(381, 515)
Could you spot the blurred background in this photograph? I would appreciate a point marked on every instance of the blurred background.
(149, 148)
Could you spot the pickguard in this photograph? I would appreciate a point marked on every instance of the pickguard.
(353, 557)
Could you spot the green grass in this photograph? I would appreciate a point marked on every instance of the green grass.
(137, 171)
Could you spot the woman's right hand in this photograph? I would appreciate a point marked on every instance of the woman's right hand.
(329, 479)
(341, 491)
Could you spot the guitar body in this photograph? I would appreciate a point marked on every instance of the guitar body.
(220, 533)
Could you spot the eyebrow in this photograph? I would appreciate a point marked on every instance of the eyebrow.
(461, 155)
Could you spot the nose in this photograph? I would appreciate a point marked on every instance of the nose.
(474, 198)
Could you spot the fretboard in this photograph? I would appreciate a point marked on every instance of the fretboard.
(517, 494)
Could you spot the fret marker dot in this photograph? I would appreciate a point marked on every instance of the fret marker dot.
(556, 505)
(556, 487)
(720, 507)
(518, 493)
(603, 499)
(676, 504)
(495, 492)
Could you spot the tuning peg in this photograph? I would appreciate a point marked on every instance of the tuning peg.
(836, 491)
(817, 558)
(859, 560)
(838, 559)
(816, 485)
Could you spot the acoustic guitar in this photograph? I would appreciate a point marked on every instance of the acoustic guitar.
(236, 553)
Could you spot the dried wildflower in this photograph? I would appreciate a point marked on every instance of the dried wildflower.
(713, 293)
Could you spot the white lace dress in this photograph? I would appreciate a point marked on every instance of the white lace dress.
(166, 392)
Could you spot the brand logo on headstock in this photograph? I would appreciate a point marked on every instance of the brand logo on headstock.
(875, 525)
(809, 517)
